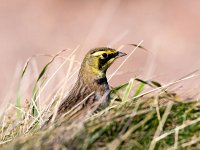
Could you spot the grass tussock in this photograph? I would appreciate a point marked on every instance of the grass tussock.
(141, 115)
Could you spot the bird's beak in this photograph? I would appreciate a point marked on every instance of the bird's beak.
(121, 54)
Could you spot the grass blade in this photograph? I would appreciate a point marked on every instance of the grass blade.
(139, 89)
(128, 90)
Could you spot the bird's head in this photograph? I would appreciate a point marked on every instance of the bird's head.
(98, 60)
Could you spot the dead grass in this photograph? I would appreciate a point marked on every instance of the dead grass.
(142, 115)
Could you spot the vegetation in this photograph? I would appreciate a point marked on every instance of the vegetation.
(141, 115)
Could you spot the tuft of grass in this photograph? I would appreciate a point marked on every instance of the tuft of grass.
(178, 127)
(141, 115)
(35, 109)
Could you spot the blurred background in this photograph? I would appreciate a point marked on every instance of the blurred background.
(169, 30)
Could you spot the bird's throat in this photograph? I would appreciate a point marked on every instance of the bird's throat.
(97, 72)
(101, 81)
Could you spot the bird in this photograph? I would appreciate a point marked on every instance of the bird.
(91, 85)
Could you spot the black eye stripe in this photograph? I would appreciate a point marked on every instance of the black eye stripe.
(109, 56)
(104, 60)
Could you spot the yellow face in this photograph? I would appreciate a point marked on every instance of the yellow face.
(99, 60)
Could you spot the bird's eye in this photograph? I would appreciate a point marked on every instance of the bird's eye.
(104, 55)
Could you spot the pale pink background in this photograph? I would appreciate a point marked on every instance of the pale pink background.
(170, 30)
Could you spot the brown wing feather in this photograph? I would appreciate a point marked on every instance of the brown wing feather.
(76, 95)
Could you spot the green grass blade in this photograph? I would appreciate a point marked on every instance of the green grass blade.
(144, 82)
(156, 84)
(35, 93)
(128, 90)
(18, 104)
(120, 87)
(139, 89)
(18, 101)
